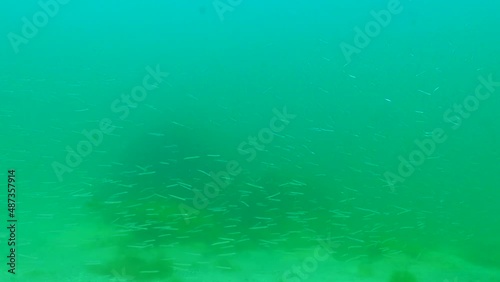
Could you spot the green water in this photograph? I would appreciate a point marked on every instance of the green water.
(211, 140)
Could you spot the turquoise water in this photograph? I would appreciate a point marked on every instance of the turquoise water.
(239, 140)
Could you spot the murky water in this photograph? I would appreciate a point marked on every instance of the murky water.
(250, 141)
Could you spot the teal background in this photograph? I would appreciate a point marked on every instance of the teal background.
(226, 74)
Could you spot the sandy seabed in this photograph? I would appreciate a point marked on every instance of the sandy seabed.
(260, 266)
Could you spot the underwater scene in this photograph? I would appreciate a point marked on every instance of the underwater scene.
(250, 141)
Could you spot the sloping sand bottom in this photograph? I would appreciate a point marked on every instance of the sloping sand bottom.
(193, 264)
